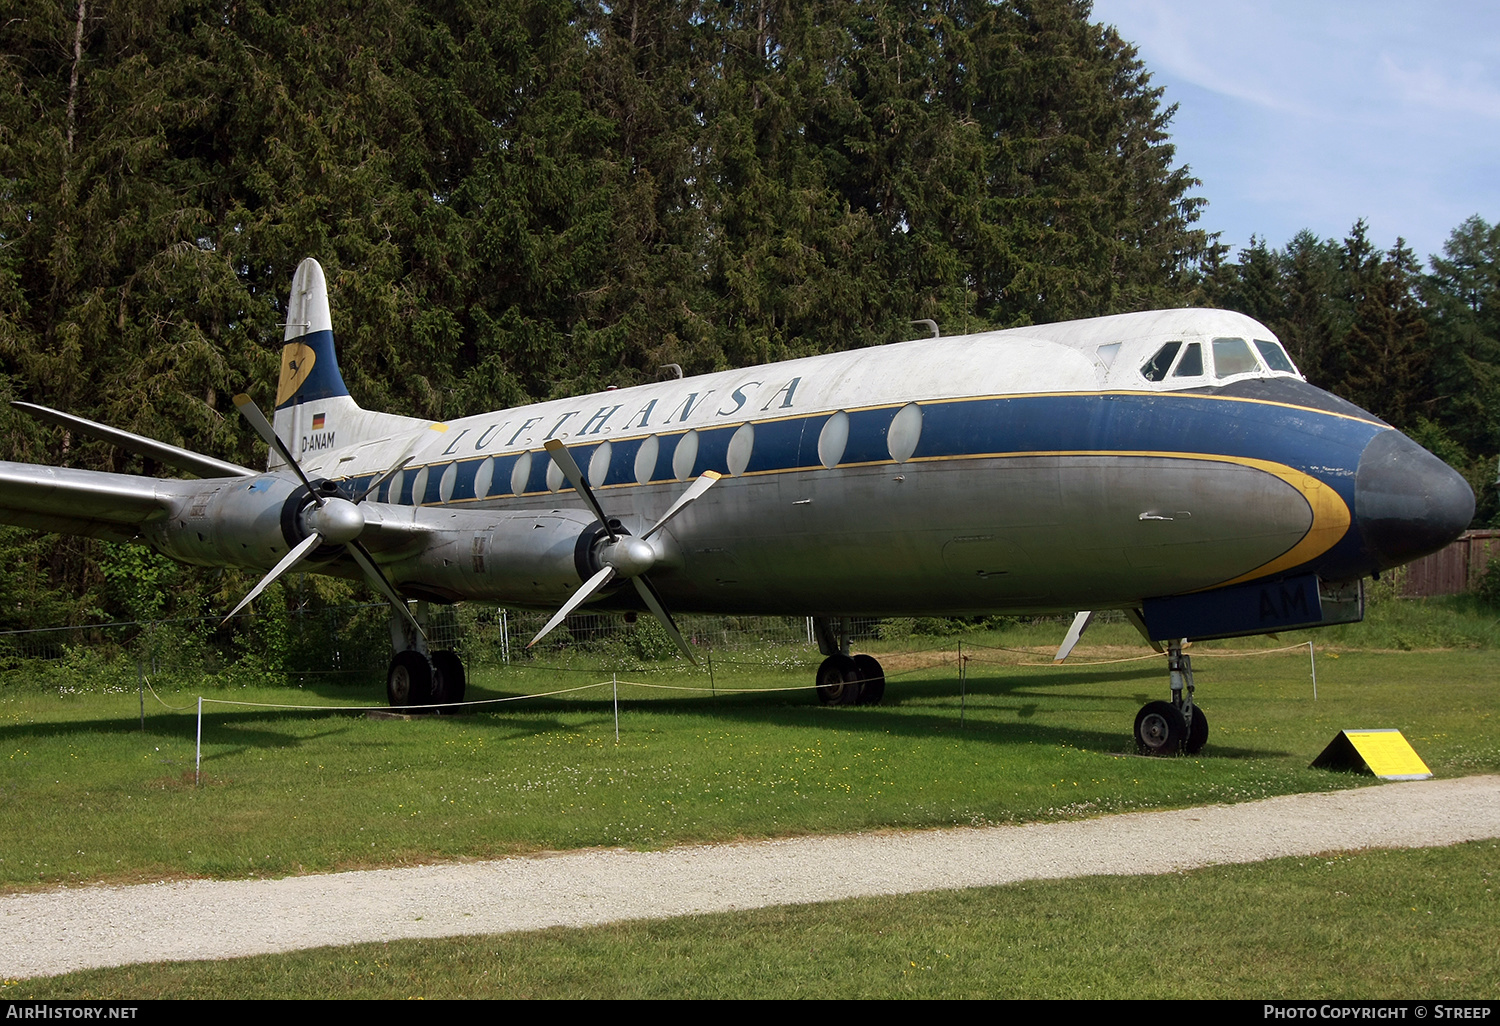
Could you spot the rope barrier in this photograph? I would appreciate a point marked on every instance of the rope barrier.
(614, 684)
(173, 708)
(398, 708)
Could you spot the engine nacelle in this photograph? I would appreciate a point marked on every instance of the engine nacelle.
(236, 521)
(519, 557)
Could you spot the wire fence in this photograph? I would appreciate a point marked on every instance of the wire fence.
(356, 639)
(353, 643)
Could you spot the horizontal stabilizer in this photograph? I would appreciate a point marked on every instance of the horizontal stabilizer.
(173, 456)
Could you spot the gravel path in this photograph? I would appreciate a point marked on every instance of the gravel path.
(58, 931)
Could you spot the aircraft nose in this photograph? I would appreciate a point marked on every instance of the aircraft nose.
(1407, 502)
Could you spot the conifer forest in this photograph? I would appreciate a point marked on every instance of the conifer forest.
(522, 199)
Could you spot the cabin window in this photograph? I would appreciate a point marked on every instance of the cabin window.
(1191, 364)
(1156, 368)
(1274, 355)
(1233, 356)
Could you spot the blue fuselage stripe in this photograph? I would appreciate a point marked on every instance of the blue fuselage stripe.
(1327, 446)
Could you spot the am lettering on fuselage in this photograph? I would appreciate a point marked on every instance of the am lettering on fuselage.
(1170, 464)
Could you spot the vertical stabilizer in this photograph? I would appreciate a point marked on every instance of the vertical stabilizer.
(315, 414)
(309, 368)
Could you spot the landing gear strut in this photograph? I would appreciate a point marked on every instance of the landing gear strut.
(417, 677)
(1166, 728)
(844, 679)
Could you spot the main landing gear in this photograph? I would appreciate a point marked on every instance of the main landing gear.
(416, 676)
(844, 679)
(1166, 728)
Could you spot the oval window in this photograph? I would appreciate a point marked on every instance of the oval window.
(645, 459)
(833, 439)
(520, 474)
(685, 455)
(599, 464)
(740, 447)
(905, 432)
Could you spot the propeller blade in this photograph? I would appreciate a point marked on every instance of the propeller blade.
(704, 483)
(382, 479)
(1080, 624)
(303, 547)
(263, 427)
(379, 582)
(653, 602)
(590, 586)
(569, 466)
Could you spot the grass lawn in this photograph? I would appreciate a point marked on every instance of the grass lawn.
(89, 796)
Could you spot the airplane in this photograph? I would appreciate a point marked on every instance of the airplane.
(1170, 464)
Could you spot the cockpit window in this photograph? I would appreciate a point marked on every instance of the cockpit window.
(1191, 364)
(1233, 356)
(1108, 353)
(1274, 356)
(1156, 368)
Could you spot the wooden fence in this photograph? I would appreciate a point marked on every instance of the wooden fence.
(1453, 570)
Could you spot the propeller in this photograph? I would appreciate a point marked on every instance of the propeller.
(622, 555)
(333, 520)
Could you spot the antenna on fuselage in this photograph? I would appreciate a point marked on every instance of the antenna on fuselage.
(931, 326)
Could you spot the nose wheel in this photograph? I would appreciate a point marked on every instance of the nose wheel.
(1166, 728)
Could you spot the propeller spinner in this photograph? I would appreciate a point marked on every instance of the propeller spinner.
(332, 520)
(622, 555)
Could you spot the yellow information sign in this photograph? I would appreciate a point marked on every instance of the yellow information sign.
(1382, 751)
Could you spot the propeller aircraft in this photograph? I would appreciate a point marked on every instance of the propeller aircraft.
(1170, 464)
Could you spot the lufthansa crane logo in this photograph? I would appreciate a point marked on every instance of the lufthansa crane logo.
(296, 364)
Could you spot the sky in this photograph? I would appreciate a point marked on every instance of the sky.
(1316, 113)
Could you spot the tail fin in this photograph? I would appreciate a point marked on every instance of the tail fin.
(314, 411)
(309, 367)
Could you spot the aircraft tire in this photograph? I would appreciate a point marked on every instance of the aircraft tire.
(1197, 735)
(838, 681)
(409, 680)
(449, 682)
(1159, 729)
(871, 679)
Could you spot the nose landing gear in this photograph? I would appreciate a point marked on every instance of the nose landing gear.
(1166, 728)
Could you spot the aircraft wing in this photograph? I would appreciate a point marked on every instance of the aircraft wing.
(173, 456)
(85, 502)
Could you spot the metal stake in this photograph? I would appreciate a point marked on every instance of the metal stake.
(198, 759)
(1312, 659)
(614, 679)
(963, 685)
